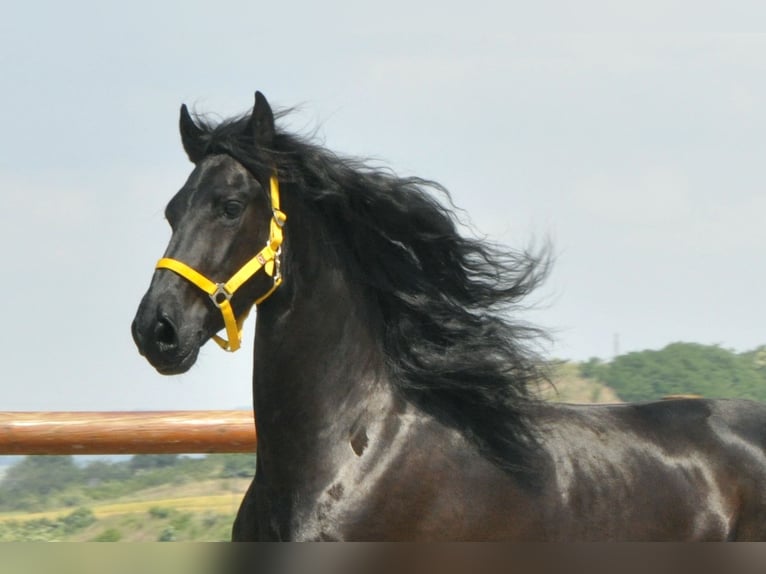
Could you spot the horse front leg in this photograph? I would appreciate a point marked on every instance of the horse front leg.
(245, 528)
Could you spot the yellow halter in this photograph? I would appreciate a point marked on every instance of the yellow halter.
(267, 259)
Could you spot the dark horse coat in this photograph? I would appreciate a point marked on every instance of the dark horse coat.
(391, 389)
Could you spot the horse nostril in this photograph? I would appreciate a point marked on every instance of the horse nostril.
(165, 333)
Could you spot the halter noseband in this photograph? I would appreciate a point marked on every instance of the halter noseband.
(220, 294)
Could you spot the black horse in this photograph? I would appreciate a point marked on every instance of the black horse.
(394, 399)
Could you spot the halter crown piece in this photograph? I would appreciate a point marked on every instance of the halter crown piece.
(220, 294)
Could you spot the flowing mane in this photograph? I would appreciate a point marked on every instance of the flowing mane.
(445, 298)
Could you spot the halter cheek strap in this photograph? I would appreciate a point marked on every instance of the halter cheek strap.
(220, 294)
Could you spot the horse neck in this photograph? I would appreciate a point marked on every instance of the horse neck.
(318, 359)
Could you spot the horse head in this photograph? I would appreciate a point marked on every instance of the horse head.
(209, 276)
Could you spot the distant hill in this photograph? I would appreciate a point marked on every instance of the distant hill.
(682, 368)
(569, 386)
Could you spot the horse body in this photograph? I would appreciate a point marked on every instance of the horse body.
(690, 470)
(390, 403)
(669, 470)
(603, 479)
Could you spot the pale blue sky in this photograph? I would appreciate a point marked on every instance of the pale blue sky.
(641, 155)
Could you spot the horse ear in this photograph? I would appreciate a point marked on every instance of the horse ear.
(262, 121)
(192, 137)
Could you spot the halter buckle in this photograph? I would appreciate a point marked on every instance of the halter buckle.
(220, 295)
(278, 265)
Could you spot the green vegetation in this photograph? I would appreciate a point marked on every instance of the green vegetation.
(108, 535)
(35, 479)
(47, 529)
(141, 499)
(683, 368)
(42, 482)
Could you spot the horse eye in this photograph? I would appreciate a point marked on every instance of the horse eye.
(233, 209)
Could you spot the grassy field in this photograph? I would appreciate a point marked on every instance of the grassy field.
(202, 511)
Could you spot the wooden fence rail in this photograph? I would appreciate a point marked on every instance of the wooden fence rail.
(150, 432)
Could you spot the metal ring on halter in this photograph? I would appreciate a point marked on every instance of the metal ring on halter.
(220, 290)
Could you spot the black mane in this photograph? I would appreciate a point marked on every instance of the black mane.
(445, 298)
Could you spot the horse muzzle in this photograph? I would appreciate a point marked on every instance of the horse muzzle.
(169, 348)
